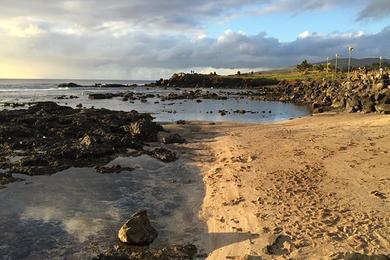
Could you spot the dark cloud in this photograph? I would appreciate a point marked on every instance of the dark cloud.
(153, 38)
(172, 14)
(375, 9)
(164, 54)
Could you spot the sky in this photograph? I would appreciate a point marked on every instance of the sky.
(150, 39)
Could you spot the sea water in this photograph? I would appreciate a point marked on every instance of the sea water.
(163, 111)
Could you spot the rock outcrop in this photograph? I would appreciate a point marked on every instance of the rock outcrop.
(143, 129)
(137, 230)
(364, 92)
(136, 235)
(163, 155)
(183, 80)
(173, 139)
(97, 85)
(50, 138)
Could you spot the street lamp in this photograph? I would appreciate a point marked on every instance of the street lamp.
(335, 67)
(327, 66)
(350, 50)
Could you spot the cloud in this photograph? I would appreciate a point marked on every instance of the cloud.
(146, 14)
(294, 6)
(23, 28)
(78, 225)
(174, 15)
(149, 39)
(149, 56)
(375, 9)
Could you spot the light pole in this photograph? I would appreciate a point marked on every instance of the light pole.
(334, 75)
(380, 62)
(350, 50)
(327, 66)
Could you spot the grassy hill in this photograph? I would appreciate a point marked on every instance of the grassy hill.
(366, 62)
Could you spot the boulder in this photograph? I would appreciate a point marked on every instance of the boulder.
(138, 230)
(383, 108)
(115, 86)
(163, 155)
(368, 105)
(69, 85)
(383, 104)
(353, 104)
(101, 96)
(181, 122)
(87, 141)
(378, 87)
(173, 139)
(144, 129)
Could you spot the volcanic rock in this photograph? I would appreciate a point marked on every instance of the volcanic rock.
(172, 139)
(137, 230)
(163, 155)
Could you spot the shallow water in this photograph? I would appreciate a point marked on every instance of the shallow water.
(75, 213)
(167, 111)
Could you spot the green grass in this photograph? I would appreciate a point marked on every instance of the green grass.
(293, 75)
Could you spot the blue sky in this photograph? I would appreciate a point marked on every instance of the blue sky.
(149, 39)
(286, 26)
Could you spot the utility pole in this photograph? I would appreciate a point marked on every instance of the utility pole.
(350, 50)
(327, 66)
(380, 62)
(336, 63)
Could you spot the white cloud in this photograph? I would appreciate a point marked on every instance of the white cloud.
(143, 56)
(149, 39)
(304, 35)
(21, 27)
(78, 225)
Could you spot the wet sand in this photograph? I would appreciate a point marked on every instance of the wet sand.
(320, 184)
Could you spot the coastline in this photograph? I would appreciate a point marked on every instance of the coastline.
(268, 190)
(309, 188)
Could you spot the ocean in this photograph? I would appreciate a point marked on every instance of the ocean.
(25, 91)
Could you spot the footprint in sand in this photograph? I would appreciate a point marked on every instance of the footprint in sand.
(379, 194)
(282, 245)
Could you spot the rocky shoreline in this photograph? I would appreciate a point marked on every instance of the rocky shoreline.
(183, 80)
(98, 85)
(47, 138)
(363, 91)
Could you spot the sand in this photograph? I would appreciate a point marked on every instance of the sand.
(309, 188)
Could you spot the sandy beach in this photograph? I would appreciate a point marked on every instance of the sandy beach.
(310, 188)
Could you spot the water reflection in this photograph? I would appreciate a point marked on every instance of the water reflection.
(172, 110)
(66, 214)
